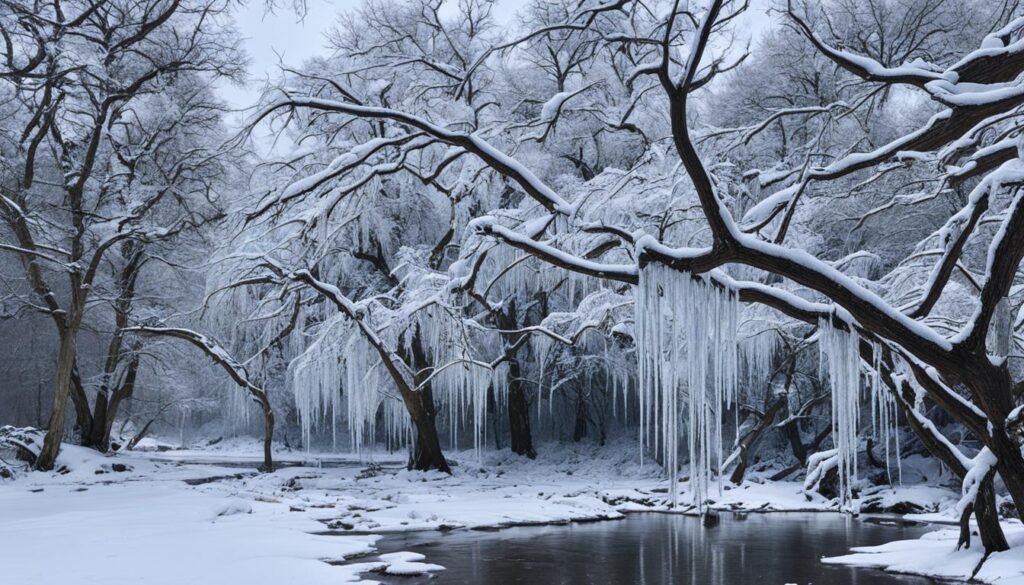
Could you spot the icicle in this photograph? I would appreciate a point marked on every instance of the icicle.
(339, 361)
(686, 335)
(615, 390)
(840, 351)
(884, 416)
(238, 409)
(541, 345)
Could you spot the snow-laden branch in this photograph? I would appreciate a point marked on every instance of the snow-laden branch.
(917, 74)
(234, 369)
(213, 350)
(973, 90)
(504, 164)
(581, 20)
(356, 313)
(487, 225)
(749, 292)
(977, 469)
(959, 228)
(338, 167)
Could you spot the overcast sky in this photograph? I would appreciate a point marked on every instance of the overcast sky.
(271, 38)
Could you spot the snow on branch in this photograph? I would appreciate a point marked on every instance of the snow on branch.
(494, 158)
(959, 228)
(487, 225)
(218, 354)
(917, 74)
(1004, 256)
(979, 467)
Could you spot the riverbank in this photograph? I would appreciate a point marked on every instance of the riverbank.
(171, 518)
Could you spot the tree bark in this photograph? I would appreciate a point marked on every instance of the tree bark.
(748, 443)
(55, 428)
(419, 403)
(519, 412)
(992, 388)
(268, 436)
(96, 436)
(987, 514)
(427, 454)
(984, 507)
(83, 417)
(103, 419)
(518, 403)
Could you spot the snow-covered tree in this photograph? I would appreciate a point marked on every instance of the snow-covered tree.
(884, 325)
(105, 102)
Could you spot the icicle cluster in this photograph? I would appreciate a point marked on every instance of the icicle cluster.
(238, 409)
(398, 430)
(840, 357)
(686, 335)
(459, 382)
(339, 363)
(757, 351)
(884, 415)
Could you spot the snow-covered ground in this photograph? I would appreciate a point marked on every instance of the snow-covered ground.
(935, 555)
(179, 517)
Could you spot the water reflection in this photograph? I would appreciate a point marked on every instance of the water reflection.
(659, 549)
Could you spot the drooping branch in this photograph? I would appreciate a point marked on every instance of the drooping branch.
(213, 350)
(235, 371)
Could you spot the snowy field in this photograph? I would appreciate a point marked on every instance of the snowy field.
(165, 518)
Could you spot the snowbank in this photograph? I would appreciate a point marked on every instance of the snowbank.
(935, 555)
(131, 518)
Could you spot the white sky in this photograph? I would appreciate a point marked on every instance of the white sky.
(272, 38)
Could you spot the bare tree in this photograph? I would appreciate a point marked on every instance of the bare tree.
(80, 77)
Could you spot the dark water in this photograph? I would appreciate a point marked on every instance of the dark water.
(659, 549)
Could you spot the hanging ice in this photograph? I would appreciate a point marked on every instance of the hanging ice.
(884, 415)
(459, 381)
(840, 352)
(339, 362)
(687, 361)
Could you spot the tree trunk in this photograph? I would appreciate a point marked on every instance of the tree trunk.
(748, 444)
(268, 436)
(519, 412)
(427, 452)
(984, 507)
(993, 388)
(1010, 465)
(55, 428)
(791, 430)
(518, 404)
(98, 435)
(140, 435)
(83, 418)
(987, 515)
(103, 419)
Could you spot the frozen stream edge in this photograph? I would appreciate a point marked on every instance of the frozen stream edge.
(261, 528)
